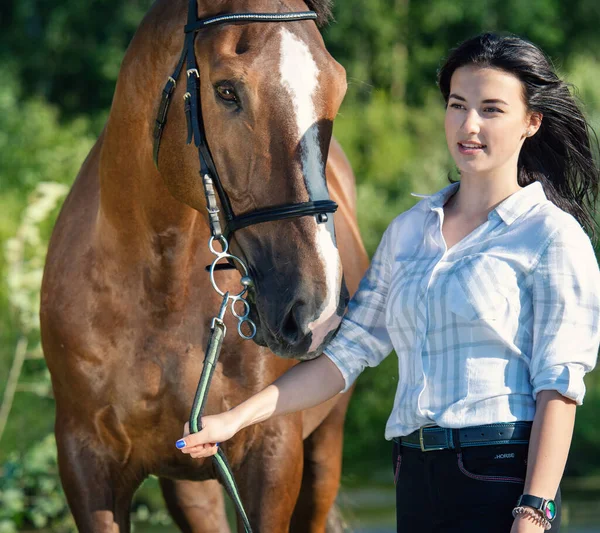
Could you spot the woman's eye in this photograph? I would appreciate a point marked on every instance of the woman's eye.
(492, 110)
(226, 93)
(456, 106)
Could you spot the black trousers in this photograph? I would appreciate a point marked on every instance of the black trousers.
(473, 490)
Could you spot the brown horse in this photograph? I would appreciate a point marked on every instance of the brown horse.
(127, 303)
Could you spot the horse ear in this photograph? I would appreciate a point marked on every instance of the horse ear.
(323, 9)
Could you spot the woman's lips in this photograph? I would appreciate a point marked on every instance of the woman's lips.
(470, 149)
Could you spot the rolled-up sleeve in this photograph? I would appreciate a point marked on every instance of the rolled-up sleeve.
(566, 314)
(363, 339)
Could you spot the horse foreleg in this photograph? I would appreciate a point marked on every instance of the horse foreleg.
(196, 507)
(269, 478)
(314, 512)
(99, 488)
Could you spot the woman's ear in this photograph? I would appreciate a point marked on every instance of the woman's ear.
(533, 123)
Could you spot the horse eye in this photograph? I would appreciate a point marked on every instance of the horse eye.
(226, 93)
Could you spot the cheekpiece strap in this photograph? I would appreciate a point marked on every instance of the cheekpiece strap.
(161, 118)
(163, 107)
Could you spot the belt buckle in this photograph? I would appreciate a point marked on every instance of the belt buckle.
(421, 440)
(422, 444)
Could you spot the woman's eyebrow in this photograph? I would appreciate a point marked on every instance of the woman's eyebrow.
(488, 101)
(494, 101)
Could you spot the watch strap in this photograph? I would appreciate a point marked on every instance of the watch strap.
(546, 507)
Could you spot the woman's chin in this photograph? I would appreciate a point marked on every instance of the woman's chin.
(473, 169)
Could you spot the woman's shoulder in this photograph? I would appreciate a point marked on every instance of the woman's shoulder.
(554, 226)
(408, 222)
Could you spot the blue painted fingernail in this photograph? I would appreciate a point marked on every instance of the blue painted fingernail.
(180, 443)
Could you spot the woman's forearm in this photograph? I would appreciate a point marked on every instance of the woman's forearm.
(549, 443)
(305, 385)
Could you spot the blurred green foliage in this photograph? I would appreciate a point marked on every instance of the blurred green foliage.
(30, 493)
(59, 62)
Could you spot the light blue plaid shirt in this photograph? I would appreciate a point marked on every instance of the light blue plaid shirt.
(480, 329)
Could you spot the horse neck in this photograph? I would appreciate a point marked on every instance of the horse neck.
(147, 232)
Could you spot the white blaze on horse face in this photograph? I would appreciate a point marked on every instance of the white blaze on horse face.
(300, 77)
(328, 318)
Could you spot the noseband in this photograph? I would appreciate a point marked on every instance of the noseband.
(210, 182)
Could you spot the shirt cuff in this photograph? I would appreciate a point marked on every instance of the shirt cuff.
(566, 379)
(347, 374)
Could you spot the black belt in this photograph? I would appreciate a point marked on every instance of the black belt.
(430, 438)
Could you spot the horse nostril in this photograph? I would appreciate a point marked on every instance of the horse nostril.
(289, 330)
(292, 325)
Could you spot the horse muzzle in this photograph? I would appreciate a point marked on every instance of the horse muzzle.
(295, 333)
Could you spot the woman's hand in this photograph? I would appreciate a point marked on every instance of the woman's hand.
(303, 386)
(215, 429)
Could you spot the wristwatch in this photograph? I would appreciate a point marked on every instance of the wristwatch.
(547, 507)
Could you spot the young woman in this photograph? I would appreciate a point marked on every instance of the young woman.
(489, 292)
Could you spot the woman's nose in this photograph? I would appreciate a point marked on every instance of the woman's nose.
(471, 122)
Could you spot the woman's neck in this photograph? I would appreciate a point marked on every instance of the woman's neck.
(477, 196)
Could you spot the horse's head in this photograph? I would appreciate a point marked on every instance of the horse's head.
(269, 93)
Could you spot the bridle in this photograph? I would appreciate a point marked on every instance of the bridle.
(233, 222)
(196, 131)
(210, 177)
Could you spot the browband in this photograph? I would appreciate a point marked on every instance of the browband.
(249, 17)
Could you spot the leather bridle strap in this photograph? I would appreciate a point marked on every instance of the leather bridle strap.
(230, 18)
(281, 213)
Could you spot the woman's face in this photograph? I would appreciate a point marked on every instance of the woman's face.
(487, 121)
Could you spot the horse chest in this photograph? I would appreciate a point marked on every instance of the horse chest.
(162, 375)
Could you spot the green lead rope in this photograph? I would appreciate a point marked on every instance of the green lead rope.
(215, 341)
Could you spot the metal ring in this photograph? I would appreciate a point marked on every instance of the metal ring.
(252, 326)
(246, 308)
(224, 244)
(212, 274)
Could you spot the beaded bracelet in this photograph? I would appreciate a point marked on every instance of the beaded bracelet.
(537, 516)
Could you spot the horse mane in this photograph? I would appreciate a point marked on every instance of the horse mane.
(323, 9)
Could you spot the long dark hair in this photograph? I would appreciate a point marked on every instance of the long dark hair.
(559, 155)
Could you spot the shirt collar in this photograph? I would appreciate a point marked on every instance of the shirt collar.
(509, 209)
(520, 202)
(441, 197)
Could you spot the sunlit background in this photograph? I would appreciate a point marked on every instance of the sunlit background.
(59, 62)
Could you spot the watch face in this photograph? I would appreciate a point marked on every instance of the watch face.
(550, 510)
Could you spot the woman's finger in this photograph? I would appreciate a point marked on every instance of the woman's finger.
(199, 447)
(204, 452)
(189, 441)
(206, 446)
